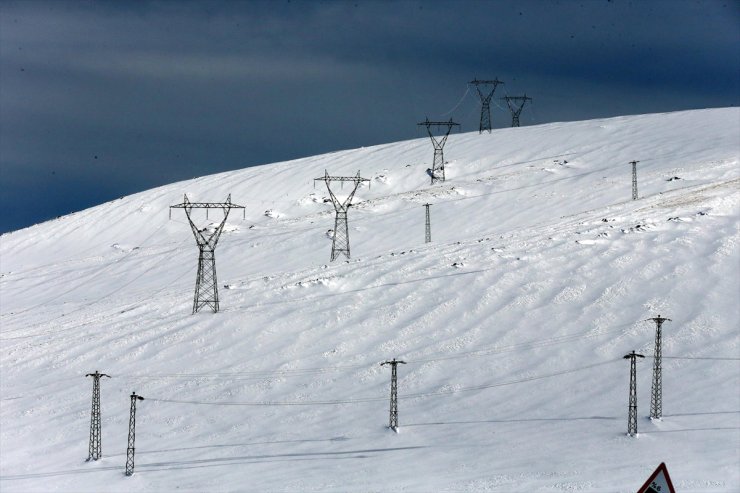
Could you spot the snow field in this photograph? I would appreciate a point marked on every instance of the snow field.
(513, 322)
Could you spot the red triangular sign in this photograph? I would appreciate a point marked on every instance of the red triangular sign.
(658, 482)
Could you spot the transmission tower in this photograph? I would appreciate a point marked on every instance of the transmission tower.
(393, 421)
(95, 447)
(516, 105)
(632, 417)
(656, 392)
(340, 243)
(132, 434)
(437, 171)
(489, 87)
(634, 179)
(428, 236)
(206, 284)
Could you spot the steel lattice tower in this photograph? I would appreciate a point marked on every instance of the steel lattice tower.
(132, 435)
(428, 235)
(634, 179)
(95, 446)
(393, 420)
(485, 99)
(656, 391)
(516, 105)
(632, 416)
(437, 171)
(340, 242)
(206, 283)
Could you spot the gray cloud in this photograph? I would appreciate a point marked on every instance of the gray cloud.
(102, 99)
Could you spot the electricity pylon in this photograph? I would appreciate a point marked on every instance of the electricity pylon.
(656, 391)
(206, 284)
(485, 99)
(95, 447)
(437, 171)
(428, 235)
(632, 416)
(634, 179)
(340, 242)
(393, 420)
(516, 105)
(130, 449)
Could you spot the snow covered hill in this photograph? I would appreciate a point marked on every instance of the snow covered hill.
(513, 322)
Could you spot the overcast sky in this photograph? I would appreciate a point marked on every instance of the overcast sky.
(103, 99)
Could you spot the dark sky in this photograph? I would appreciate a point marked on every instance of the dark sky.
(103, 99)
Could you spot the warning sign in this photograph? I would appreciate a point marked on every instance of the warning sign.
(658, 482)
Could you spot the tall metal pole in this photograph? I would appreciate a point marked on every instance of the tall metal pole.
(489, 87)
(206, 283)
(656, 391)
(340, 242)
(393, 419)
(428, 235)
(437, 171)
(632, 413)
(130, 449)
(517, 107)
(634, 179)
(95, 446)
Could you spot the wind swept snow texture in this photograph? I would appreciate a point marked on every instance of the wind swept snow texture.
(513, 321)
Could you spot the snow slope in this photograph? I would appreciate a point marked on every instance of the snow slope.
(513, 322)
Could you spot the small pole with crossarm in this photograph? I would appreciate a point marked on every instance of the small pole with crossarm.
(632, 413)
(393, 421)
(95, 447)
(130, 449)
(656, 391)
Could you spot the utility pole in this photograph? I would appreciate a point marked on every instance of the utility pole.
(632, 416)
(428, 236)
(340, 242)
(516, 105)
(206, 284)
(95, 446)
(132, 434)
(656, 392)
(393, 421)
(437, 171)
(489, 87)
(634, 179)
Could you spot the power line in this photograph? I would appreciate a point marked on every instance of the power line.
(359, 400)
(699, 358)
(86, 280)
(467, 90)
(256, 374)
(525, 345)
(91, 303)
(292, 231)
